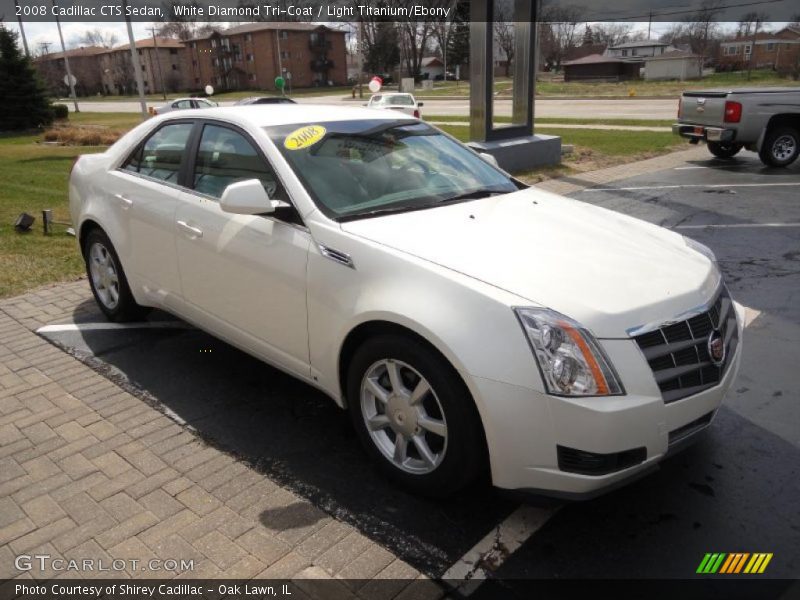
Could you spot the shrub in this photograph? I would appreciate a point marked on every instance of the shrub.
(60, 111)
(69, 135)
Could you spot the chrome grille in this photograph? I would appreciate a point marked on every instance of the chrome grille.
(678, 352)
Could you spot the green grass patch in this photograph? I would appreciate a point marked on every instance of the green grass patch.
(566, 121)
(34, 177)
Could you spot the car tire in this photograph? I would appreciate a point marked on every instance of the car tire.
(441, 445)
(723, 150)
(107, 279)
(781, 146)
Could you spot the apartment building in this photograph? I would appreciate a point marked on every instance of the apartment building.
(163, 62)
(83, 64)
(252, 55)
(779, 51)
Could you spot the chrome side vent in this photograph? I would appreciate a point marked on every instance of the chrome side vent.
(336, 256)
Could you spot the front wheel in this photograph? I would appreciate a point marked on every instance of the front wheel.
(781, 147)
(415, 416)
(723, 150)
(107, 279)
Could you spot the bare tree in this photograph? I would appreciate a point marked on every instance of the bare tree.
(751, 22)
(702, 29)
(562, 23)
(98, 37)
(504, 33)
(611, 34)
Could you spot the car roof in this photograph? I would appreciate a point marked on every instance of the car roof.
(286, 114)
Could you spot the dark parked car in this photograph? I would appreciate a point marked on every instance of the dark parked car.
(265, 100)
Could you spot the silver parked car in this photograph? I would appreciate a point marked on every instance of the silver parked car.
(183, 104)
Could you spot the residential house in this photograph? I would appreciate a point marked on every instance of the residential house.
(432, 67)
(639, 50)
(779, 51)
(676, 64)
(599, 67)
(252, 55)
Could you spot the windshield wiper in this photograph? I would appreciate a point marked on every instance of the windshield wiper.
(379, 212)
(474, 195)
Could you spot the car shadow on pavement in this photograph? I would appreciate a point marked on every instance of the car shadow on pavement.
(287, 430)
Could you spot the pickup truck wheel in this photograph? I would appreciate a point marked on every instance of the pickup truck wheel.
(107, 280)
(414, 416)
(781, 147)
(723, 150)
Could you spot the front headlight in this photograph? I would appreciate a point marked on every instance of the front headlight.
(701, 248)
(570, 359)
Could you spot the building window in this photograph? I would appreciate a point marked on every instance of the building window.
(143, 68)
(770, 47)
(624, 53)
(748, 49)
(250, 58)
(215, 62)
(214, 43)
(139, 52)
(633, 52)
(194, 44)
(174, 67)
(248, 37)
(284, 35)
(251, 76)
(173, 50)
(284, 54)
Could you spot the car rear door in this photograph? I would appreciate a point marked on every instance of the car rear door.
(145, 190)
(242, 276)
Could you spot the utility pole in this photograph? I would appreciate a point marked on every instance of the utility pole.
(137, 68)
(45, 47)
(70, 79)
(158, 62)
(22, 29)
(280, 64)
(361, 58)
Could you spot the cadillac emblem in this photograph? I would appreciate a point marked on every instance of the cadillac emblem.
(716, 348)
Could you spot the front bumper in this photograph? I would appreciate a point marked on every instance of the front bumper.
(524, 428)
(703, 133)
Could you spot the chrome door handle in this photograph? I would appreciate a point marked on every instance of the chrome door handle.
(192, 231)
(126, 202)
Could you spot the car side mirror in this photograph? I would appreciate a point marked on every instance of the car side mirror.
(489, 158)
(420, 104)
(246, 198)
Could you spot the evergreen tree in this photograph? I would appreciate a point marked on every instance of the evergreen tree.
(458, 40)
(25, 102)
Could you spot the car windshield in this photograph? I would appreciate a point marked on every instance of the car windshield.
(399, 100)
(355, 169)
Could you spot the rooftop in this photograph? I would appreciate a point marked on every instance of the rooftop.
(640, 44)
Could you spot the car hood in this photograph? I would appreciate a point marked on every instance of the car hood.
(609, 271)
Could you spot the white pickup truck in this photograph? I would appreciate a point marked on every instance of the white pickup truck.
(763, 120)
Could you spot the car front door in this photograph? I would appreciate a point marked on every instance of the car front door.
(243, 276)
(145, 191)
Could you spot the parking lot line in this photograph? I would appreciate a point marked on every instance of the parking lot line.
(103, 326)
(693, 185)
(488, 554)
(736, 225)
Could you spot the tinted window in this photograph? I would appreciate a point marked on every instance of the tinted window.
(160, 156)
(225, 157)
(182, 104)
(400, 100)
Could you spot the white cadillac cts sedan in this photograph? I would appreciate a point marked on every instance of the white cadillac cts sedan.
(466, 321)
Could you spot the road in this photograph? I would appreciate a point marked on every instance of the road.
(735, 490)
(606, 109)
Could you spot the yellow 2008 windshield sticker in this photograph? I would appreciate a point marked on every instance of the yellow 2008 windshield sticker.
(304, 137)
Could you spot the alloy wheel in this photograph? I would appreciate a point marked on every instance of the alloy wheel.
(105, 278)
(403, 416)
(784, 148)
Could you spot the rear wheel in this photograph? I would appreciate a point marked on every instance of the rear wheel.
(724, 150)
(107, 279)
(781, 146)
(415, 416)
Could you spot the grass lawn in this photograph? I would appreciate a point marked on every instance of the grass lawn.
(669, 89)
(156, 98)
(566, 121)
(34, 177)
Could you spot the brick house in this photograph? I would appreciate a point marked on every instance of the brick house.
(779, 51)
(82, 64)
(163, 61)
(251, 55)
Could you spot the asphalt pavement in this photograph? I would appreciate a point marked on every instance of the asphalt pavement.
(735, 490)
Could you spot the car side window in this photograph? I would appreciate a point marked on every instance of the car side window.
(182, 104)
(160, 156)
(225, 157)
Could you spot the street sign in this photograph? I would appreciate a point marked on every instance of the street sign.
(280, 82)
(70, 80)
